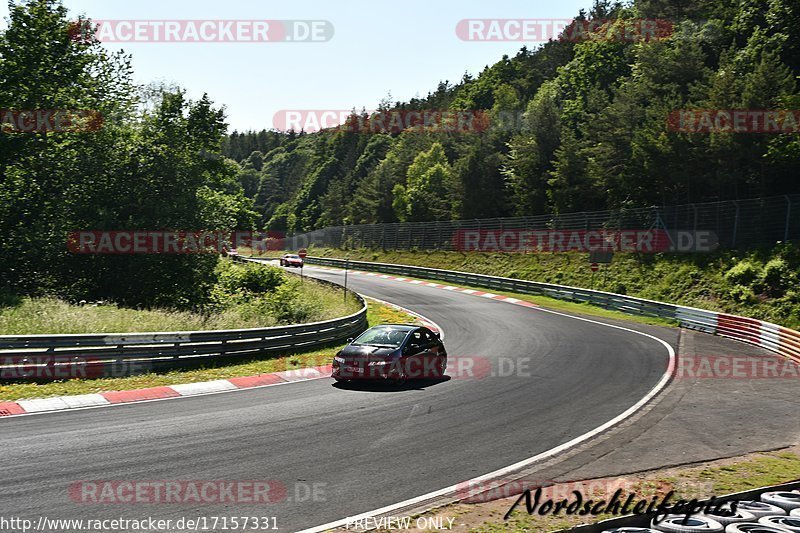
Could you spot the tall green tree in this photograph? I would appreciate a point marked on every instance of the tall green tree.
(427, 194)
(159, 168)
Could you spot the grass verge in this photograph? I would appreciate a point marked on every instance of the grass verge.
(377, 314)
(35, 316)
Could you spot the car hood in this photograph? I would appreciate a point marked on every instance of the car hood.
(357, 352)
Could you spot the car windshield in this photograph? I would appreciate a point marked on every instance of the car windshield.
(387, 337)
(293, 257)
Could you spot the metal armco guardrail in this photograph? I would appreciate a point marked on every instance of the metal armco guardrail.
(772, 337)
(121, 354)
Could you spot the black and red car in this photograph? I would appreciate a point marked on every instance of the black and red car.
(291, 260)
(395, 352)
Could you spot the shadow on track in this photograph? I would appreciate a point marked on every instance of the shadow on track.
(388, 386)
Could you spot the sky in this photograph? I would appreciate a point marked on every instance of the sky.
(378, 48)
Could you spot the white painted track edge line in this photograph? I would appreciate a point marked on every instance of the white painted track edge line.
(665, 379)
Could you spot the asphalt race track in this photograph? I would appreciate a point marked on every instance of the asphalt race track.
(362, 447)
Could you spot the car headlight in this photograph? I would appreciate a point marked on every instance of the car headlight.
(339, 359)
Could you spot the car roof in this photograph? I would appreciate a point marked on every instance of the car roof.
(401, 327)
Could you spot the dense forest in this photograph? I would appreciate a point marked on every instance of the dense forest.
(155, 164)
(594, 132)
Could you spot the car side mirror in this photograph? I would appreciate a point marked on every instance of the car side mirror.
(351, 339)
(437, 334)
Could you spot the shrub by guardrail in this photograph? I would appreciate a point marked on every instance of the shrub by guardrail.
(43, 357)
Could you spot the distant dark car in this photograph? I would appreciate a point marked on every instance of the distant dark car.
(392, 352)
(291, 260)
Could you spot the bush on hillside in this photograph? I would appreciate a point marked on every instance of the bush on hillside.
(743, 273)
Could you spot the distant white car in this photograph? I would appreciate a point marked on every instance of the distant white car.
(291, 260)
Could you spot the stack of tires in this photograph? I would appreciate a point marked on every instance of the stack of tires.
(776, 512)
